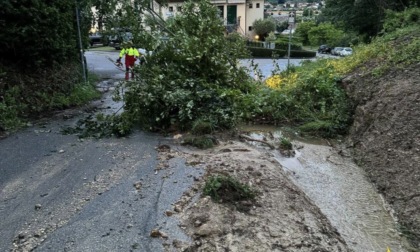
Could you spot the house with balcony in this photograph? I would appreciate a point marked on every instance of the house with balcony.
(237, 15)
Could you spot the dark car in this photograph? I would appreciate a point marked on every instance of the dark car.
(324, 49)
(95, 38)
(117, 39)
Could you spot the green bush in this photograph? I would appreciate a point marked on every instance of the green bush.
(266, 53)
(227, 189)
(306, 94)
(283, 45)
(39, 34)
(29, 96)
(201, 142)
(285, 144)
(395, 20)
(302, 54)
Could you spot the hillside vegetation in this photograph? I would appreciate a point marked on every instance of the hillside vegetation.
(381, 82)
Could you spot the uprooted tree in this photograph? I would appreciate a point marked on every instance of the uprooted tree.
(192, 76)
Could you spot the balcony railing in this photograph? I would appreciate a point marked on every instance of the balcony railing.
(227, 1)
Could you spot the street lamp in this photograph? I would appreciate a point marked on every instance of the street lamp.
(257, 37)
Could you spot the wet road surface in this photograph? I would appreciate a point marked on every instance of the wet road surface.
(61, 193)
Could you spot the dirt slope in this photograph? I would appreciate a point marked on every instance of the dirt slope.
(386, 138)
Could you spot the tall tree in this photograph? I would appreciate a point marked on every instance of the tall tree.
(362, 16)
(37, 34)
(302, 31)
(263, 27)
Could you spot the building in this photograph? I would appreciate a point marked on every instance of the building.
(237, 15)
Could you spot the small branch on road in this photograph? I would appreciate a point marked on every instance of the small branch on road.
(257, 140)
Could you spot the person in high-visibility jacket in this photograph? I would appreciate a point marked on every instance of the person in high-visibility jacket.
(131, 55)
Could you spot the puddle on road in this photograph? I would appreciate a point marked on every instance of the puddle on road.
(343, 193)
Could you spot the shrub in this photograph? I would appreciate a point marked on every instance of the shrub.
(227, 189)
(285, 144)
(266, 53)
(201, 142)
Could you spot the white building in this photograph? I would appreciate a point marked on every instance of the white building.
(237, 15)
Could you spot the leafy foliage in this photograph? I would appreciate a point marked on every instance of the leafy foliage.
(227, 189)
(34, 95)
(37, 34)
(325, 33)
(304, 95)
(194, 75)
(101, 126)
(285, 144)
(395, 20)
(364, 17)
(201, 142)
(263, 27)
(302, 31)
(40, 58)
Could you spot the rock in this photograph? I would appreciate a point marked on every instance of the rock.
(169, 213)
(157, 233)
(177, 208)
(197, 223)
(38, 206)
(206, 230)
(137, 185)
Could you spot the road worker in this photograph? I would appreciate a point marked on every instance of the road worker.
(131, 55)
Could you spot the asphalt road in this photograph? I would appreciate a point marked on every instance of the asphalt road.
(60, 193)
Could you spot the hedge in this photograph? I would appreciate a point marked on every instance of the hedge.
(258, 52)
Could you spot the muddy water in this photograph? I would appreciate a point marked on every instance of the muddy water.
(342, 192)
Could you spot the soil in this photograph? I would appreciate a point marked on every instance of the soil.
(385, 137)
(282, 218)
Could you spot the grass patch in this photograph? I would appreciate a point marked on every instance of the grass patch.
(39, 94)
(285, 144)
(102, 49)
(226, 189)
(202, 127)
(201, 142)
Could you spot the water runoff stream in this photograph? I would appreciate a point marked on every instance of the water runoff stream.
(343, 193)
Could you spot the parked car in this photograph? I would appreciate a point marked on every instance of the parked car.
(95, 38)
(324, 49)
(116, 40)
(346, 51)
(336, 50)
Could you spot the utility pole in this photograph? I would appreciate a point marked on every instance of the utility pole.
(291, 25)
(80, 43)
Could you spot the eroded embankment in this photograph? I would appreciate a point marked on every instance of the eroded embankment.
(386, 138)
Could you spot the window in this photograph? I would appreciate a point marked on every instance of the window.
(220, 11)
(171, 9)
(179, 8)
(250, 5)
(257, 5)
(249, 28)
